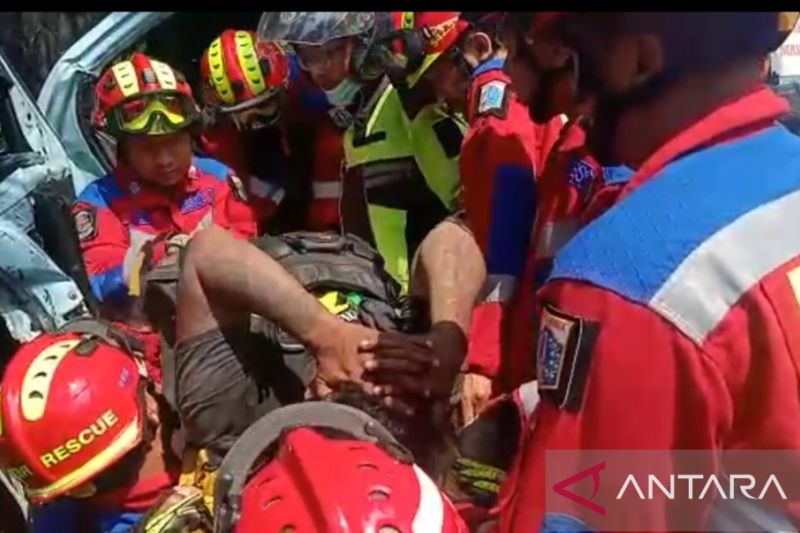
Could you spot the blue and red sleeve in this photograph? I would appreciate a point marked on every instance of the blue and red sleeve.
(499, 198)
(104, 240)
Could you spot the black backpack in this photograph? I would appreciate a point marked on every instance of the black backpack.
(345, 273)
(323, 263)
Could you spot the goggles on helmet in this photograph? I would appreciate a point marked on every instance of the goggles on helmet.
(265, 112)
(153, 114)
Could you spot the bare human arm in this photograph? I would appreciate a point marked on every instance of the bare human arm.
(449, 273)
(224, 279)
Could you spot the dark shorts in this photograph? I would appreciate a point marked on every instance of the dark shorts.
(226, 380)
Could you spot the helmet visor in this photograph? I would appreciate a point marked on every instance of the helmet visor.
(314, 27)
(154, 114)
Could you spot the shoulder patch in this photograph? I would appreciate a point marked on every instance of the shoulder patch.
(85, 220)
(238, 187)
(450, 136)
(493, 99)
(564, 351)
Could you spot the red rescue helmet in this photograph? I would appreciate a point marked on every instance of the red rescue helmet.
(71, 406)
(143, 96)
(419, 38)
(334, 469)
(241, 75)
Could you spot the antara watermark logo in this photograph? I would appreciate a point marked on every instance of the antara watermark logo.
(689, 486)
(672, 490)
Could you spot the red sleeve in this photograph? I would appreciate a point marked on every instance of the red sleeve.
(547, 136)
(643, 381)
(232, 211)
(498, 195)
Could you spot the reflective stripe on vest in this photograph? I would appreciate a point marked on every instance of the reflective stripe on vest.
(399, 147)
(388, 224)
(326, 190)
(440, 171)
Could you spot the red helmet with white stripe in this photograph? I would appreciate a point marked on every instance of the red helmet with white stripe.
(335, 469)
(71, 406)
(143, 96)
(240, 73)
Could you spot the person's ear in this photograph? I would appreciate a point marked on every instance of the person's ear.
(477, 48)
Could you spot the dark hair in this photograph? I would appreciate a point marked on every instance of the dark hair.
(417, 433)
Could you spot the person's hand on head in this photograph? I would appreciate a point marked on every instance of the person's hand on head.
(339, 356)
(408, 368)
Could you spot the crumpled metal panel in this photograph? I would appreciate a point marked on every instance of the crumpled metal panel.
(35, 294)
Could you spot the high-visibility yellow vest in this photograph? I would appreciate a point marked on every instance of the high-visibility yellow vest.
(410, 172)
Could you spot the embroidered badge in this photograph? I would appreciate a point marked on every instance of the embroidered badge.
(85, 220)
(563, 352)
(238, 187)
(492, 98)
(581, 176)
(197, 200)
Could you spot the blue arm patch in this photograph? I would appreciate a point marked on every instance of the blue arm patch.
(219, 170)
(101, 192)
(635, 247)
(59, 516)
(118, 522)
(513, 210)
(617, 175)
(294, 68)
(564, 523)
(110, 285)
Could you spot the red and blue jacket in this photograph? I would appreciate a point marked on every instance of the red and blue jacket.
(671, 323)
(119, 217)
(305, 147)
(498, 164)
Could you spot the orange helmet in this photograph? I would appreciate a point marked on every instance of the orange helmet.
(143, 96)
(419, 38)
(240, 73)
(332, 468)
(71, 406)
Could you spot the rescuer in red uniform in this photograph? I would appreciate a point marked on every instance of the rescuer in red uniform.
(274, 126)
(158, 195)
(670, 322)
(501, 158)
(244, 85)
